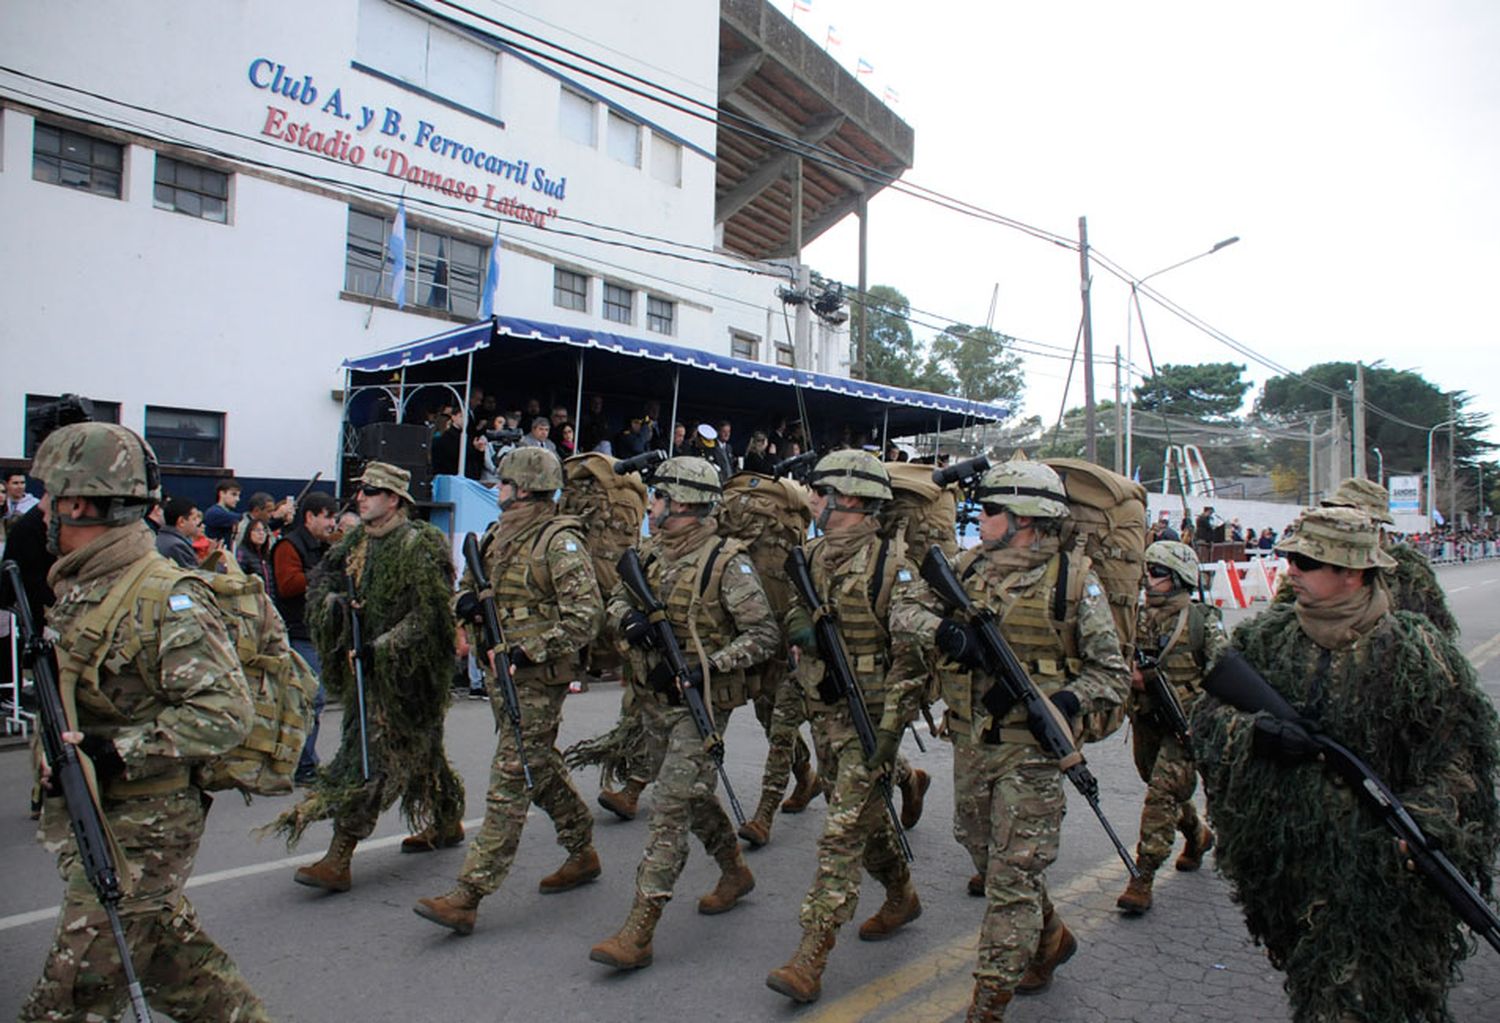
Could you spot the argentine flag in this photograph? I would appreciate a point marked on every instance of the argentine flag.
(397, 256)
(491, 279)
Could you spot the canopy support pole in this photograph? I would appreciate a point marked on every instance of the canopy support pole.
(672, 426)
(885, 429)
(338, 461)
(577, 410)
(463, 440)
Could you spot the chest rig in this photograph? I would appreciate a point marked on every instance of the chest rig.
(859, 593)
(524, 594)
(689, 587)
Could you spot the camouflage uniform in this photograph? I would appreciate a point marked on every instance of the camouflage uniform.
(1359, 936)
(165, 710)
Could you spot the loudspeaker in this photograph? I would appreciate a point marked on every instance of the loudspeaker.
(400, 444)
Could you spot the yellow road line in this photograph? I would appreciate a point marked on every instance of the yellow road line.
(1485, 652)
(958, 957)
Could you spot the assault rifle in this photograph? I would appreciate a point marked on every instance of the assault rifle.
(69, 776)
(1238, 684)
(1012, 687)
(495, 640)
(357, 658)
(836, 659)
(665, 642)
(1165, 698)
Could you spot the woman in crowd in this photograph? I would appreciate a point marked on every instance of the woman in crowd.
(564, 441)
(254, 551)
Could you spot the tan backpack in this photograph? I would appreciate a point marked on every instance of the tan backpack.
(771, 516)
(610, 508)
(920, 510)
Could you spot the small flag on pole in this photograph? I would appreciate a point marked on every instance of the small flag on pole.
(491, 279)
(891, 95)
(864, 67)
(832, 39)
(801, 5)
(397, 256)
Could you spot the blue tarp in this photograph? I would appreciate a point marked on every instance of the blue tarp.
(471, 338)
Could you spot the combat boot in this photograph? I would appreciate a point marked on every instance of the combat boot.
(901, 907)
(623, 804)
(331, 873)
(806, 788)
(1136, 898)
(579, 868)
(433, 837)
(757, 830)
(801, 979)
(913, 792)
(976, 885)
(1056, 947)
(735, 882)
(990, 1000)
(1199, 841)
(630, 948)
(456, 911)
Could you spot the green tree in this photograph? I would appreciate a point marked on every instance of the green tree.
(892, 354)
(979, 362)
(1210, 391)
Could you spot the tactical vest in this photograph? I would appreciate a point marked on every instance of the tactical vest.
(1041, 626)
(691, 596)
(520, 581)
(859, 592)
(1182, 661)
(771, 516)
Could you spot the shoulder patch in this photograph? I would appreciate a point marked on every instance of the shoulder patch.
(903, 575)
(180, 602)
(744, 569)
(569, 546)
(754, 481)
(1093, 590)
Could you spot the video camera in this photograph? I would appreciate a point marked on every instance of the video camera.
(65, 411)
(642, 463)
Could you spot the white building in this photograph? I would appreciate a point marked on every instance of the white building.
(198, 197)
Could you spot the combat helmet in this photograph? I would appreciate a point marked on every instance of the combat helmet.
(534, 469)
(688, 480)
(104, 462)
(1366, 495)
(1024, 488)
(854, 473)
(1177, 557)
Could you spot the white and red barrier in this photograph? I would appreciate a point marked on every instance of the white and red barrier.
(1241, 583)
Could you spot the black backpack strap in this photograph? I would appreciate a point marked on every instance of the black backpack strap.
(877, 577)
(708, 566)
(1060, 592)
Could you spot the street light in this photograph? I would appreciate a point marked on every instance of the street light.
(1431, 494)
(1380, 466)
(1129, 342)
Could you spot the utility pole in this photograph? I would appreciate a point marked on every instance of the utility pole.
(1312, 457)
(1120, 466)
(1452, 468)
(862, 338)
(802, 345)
(1335, 444)
(1090, 436)
(1359, 420)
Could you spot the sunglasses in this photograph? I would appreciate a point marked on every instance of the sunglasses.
(1159, 571)
(373, 491)
(824, 492)
(1306, 564)
(992, 509)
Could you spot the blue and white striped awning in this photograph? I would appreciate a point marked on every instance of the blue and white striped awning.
(471, 338)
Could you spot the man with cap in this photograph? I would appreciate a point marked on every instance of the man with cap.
(549, 608)
(152, 689)
(1325, 888)
(1008, 794)
(1184, 637)
(724, 625)
(1410, 579)
(857, 574)
(402, 571)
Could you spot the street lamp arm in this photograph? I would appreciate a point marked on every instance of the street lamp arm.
(1216, 247)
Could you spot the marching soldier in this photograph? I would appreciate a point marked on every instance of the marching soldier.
(1184, 638)
(167, 696)
(857, 572)
(1008, 796)
(549, 607)
(716, 607)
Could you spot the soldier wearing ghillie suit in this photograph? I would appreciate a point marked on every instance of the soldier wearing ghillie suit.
(857, 573)
(724, 626)
(403, 582)
(1183, 638)
(771, 516)
(549, 608)
(165, 697)
(1411, 581)
(1008, 794)
(1360, 935)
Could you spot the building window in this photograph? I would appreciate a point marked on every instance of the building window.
(570, 290)
(103, 412)
(455, 67)
(660, 313)
(785, 355)
(666, 161)
(196, 191)
(744, 346)
(617, 303)
(623, 139)
(443, 273)
(576, 118)
(62, 157)
(182, 436)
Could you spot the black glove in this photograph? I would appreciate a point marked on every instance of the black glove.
(518, 658)
(1285, 742)
(660, 678)
(636, 628)
(468, 609)
(960, 642)
(1067, 702)
(108, 764)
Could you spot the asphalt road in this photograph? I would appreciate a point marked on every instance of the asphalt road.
(365, 956)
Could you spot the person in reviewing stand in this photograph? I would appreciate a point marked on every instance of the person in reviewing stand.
(565, 446)
(184, 524)
(757, 454)
(219, 521)
(537, 437)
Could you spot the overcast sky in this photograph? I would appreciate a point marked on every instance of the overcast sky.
(1353, 146)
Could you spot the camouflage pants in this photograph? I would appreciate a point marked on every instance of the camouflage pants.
(1008, 812)
(643, 758)
(857, 831)
(1171, 778)
(493, 849)
(781, 711)
(183, 972)
(423, 776)
(683, 801)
